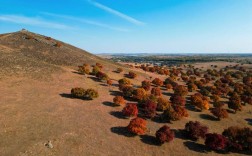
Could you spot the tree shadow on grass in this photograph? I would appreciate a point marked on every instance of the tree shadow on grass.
(70, 96)
(65, 95)
(118, 114)
(196, 147)
(122, 131)
(180, 134)
(167, 93)
(108, 103)
(115, 93)
(94, 79)
(150, 140)
(158, 119)
(191, 108)
(103, 84)
(208, 117)
(76, 72)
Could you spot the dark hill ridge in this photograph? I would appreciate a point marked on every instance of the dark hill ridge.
(24, 52)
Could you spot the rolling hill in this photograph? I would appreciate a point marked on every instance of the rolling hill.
(32, 54)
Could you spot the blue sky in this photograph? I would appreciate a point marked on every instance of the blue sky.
(141, 26)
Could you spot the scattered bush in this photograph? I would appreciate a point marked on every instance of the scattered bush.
(102, 76)
(164, 134)
(219, 112)
(132, 75)
(200, 101)
(78, 92)
(91, 94)
(82, 93)
(130, 110)
(174, 114)
(124, 81)
(95, 70)
(109, 82)
(216, 141)
(48, 38)
(216, 98)
(119, 100)
(139, 93)
(119, 70)
(149, 109)
(194, 130)
(240, 138)
(146, 85)
(168, 86)
(156, 91)
(177, 100)
(157, 82)
(235, 103)
(85, 69)
(99, 65)
(162, 104)
(137, 126)
(180, 90)
(58, 44)
(192, 87)
(181, 111)
(127, 90)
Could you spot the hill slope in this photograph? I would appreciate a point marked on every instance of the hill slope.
(28, 53)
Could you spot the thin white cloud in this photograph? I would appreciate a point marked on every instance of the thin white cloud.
(32, 21)
(116, 13)
(86, 21)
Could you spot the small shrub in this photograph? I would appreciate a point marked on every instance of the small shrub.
(146, 85)
(132, 75)
(85, 69)
(240, 138)
(139, 93)
(200, 101)
(235, 103)
(119, 100)
(29, 37)
(91, 94)
(170, 115)
(192, 87)
(119, 70)
(124, 81)
(180, 90)
(219, 112)
(95, 70)
(130, 110)
(78, 92)
(216, 98)
(102, 76)
(177, 100)
(99, 65)
(181, 111)
(216, 141)
(174, 114)
(157, 82)
(109, 82)
(137, 126)
(168, 86)
(48, 38)
(149, 109)
(127, 90)
(162, 104)
(194, 130)
(58, 44)
(164, 134)
(156, 91)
